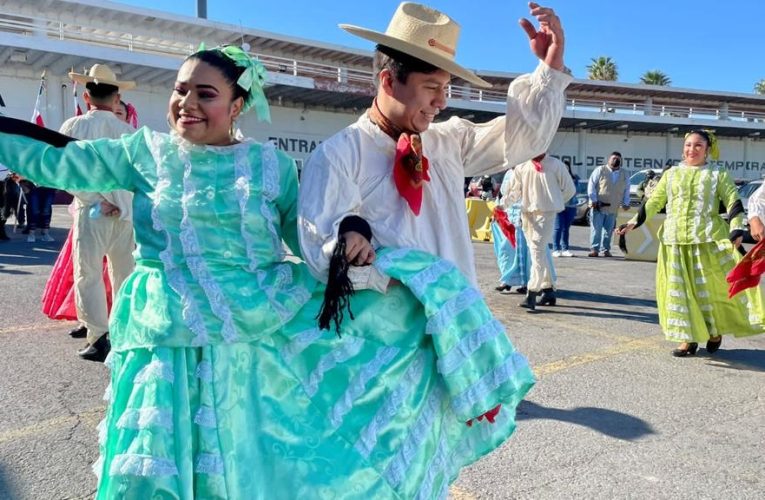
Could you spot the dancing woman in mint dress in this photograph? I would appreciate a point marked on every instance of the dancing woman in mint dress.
(222, 386)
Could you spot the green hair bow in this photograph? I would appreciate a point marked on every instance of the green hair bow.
(252, 80)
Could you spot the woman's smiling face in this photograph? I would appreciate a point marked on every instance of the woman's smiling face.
(202, 108)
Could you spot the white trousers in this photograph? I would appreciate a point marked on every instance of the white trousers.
(93, 240)
(538, 228)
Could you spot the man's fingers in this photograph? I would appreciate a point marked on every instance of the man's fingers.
(531, 32)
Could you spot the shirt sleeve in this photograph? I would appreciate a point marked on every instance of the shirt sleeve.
(756, 204)
(728, 194)
(535, 104)
(592, 185)
(286, 202)
(329, 192)
(656, 202)
(566, 182)
(98, 165)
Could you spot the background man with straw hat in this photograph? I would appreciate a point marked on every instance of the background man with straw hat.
(103, 221)
(395, 176)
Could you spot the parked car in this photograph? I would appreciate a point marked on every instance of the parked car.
(744, 192)
(582, 203)
(635, 181)
(484, 186)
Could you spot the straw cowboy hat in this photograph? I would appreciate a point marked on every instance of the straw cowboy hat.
(101, 74)
(425, 33)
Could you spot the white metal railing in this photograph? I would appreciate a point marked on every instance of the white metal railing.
(34, 26)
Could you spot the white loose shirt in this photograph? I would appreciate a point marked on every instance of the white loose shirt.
(545, 191)
(100, 124)
(351, 174)
(756, 205)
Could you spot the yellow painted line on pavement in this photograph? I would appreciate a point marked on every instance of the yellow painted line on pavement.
(647, 343)
(457, 493)
(48, 325)
(89, 417)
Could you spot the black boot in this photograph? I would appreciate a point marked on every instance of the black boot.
(3, 234)
(547, 298)
(530, 302)
(98, 350)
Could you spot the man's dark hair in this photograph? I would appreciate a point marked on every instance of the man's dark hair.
(399, 64)
(616, 153)
(230, 71)
(101, 91)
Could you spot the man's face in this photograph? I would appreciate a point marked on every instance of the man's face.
(416, 103)
(615, 162)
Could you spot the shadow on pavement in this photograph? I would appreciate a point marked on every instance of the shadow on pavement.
(604, 299)
(6, 485)
(17, 252)
(607, 313)
(738, 359)
(609, 422)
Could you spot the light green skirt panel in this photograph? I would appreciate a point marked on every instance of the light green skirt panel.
(378, 413)
(692, 294)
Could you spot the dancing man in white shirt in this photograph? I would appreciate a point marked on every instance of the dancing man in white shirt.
(543, 185)
(356, 187)
(103, 222)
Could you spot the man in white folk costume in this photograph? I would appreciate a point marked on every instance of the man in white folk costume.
(394, 177)
(103, 222)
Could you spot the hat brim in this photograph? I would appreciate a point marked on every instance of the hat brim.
(410, 49)
(83, 79)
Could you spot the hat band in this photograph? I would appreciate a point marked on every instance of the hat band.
(435, 43)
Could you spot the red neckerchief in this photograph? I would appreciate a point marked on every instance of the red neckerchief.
(410, 167)
(537, 161)
(746, 274)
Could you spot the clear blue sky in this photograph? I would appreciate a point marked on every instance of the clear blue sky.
(699, 44)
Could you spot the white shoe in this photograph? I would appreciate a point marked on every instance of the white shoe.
(31, 238)
(556, 254)
(47, 237)
(567, 253)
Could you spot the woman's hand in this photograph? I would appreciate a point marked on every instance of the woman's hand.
(756, 228)
(626, 229)
(358, 250)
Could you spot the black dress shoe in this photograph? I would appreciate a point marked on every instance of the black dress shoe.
(521, 289)
(530, 302)
(503, 288)
(712, 346)
(690, 350)
(79, 333)
(547, 298)
(96, 351)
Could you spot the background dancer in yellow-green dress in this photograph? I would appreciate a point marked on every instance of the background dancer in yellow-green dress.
(697, 249)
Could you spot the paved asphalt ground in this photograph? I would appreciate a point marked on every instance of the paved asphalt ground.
(613, 415)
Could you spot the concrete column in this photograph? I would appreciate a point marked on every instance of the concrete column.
(581, 154)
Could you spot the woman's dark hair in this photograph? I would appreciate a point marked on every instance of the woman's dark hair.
(230, 71)
(702, 133)
(399, 64)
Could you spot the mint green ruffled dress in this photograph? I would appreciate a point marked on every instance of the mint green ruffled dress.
(222, 386)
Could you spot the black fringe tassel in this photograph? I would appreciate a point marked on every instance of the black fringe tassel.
(337, 295)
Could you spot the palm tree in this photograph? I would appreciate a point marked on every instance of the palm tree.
(759, 87)
(602, 68)
(655, 77)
